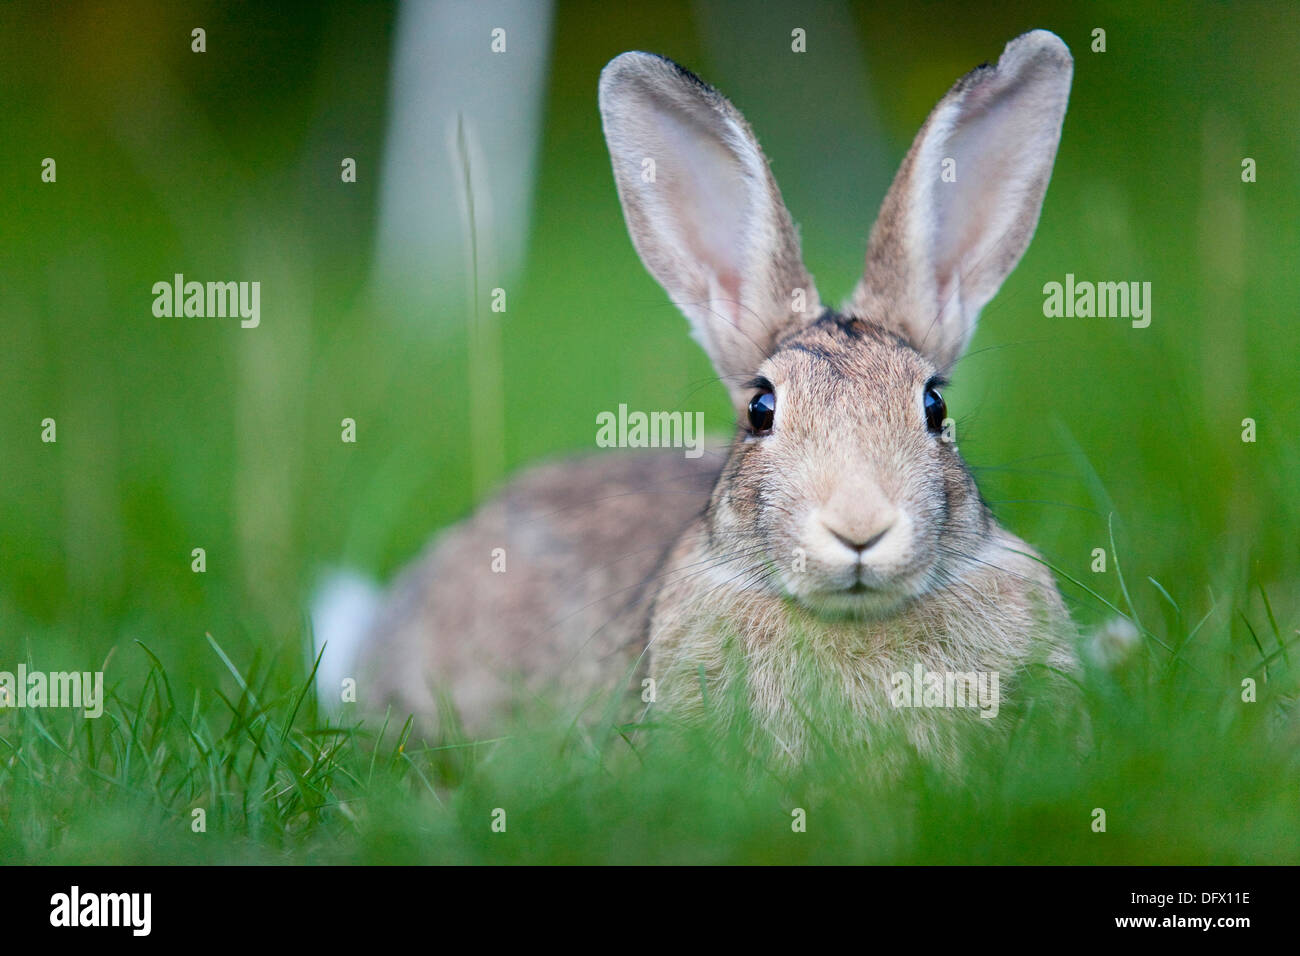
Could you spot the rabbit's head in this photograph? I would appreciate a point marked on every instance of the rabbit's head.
(843, 489)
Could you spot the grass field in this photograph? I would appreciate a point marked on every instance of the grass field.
(178, 434)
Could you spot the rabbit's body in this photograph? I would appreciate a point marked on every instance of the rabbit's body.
(545, 590)
(843, 542)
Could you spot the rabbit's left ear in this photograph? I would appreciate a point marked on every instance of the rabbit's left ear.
(704, 212)
(966, 200)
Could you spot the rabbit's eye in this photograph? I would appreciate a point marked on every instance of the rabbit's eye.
(936, 410)
(762, 410)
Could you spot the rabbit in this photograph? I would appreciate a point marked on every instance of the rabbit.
(839, 540)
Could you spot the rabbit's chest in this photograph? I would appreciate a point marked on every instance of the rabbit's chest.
(758, 656)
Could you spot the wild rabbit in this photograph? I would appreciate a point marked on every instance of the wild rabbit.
(840, 541)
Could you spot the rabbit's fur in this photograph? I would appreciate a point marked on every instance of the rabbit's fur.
(733, 576)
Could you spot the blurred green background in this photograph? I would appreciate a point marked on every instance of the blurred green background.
(182, 433)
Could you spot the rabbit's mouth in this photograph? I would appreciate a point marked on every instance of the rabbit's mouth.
(858, 599)
(841, 579)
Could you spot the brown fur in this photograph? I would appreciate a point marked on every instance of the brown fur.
(737, 572)
(581, 541)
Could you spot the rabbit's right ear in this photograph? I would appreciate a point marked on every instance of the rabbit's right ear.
(704, 212)
(965, 203)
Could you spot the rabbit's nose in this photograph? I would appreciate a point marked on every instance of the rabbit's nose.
(858, 517)
(858, 546)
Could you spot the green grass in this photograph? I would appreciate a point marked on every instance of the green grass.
(1162, 742)
(174, 435)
